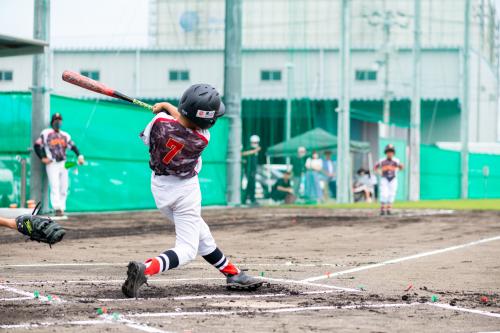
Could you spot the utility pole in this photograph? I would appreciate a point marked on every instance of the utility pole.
(414, 163)
(464, 114)
(232, 95)
(40, 99)
(343, 144)
(386, 116)
(478, 73)
(387, 19)
(288, 118)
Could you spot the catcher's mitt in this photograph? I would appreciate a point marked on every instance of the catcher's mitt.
(40, 228)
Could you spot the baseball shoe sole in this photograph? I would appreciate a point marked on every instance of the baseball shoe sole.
(135, 279)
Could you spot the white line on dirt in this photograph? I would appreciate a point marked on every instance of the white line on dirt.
(306, 283)
(279, 310)
(130, 323)
(15, 299)
(426, 213)
(45, 324)
(30, 295)
(216, 296)
(27, 283)
(103, 321)
(456, 308)
(398, 260)
(123, 264)
(303, 283)
(308, 308)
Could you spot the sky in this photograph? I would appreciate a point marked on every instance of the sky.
(86, 22)
(81, 22)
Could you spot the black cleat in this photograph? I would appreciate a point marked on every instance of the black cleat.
(242, 281)
(135, 279)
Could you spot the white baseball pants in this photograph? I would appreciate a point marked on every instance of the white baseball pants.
(180, 201)
(388, 190)
(58, 183)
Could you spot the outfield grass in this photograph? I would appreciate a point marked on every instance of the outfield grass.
(472, 204)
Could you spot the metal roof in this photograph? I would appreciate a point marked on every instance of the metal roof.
(14, 46)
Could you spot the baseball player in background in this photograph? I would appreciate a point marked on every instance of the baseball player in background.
(388, 169)
(252, 161)
(51, 147)
(176, 139)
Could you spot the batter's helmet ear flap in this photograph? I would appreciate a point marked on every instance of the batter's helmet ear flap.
(221, 111)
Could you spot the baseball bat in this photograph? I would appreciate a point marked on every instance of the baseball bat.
(98, 87)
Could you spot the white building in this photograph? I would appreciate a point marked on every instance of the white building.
(187, 39)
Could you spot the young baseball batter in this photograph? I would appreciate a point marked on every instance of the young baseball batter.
(388, 169)
(176, 139)
(51, 149)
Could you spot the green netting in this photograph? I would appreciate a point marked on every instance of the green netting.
(440, 176)
(484, 176)
(15, 122)
(266, 118)
(439, 173)
(117, 175)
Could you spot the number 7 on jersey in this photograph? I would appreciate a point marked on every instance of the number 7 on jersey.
(175, 147)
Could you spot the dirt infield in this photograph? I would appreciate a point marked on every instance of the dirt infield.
(325, 270)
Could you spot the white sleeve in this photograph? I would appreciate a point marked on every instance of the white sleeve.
(145, 134)
(68, 139)
(43, 136)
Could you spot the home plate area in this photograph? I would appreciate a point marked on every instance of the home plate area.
(323, 271)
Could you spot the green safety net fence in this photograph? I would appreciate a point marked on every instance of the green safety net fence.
(440, 175)
(484, 176)
(117, 174)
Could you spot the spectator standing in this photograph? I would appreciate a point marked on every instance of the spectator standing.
(330, 173)
(298, 169)
(251, 159)
(314, 166)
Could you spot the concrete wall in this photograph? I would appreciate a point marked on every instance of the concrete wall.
(314, 75)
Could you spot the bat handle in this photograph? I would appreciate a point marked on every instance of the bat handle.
(142, 104)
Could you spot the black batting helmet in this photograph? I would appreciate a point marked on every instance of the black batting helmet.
(201, 104)
(389, 147)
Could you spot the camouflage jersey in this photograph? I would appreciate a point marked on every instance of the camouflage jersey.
(390, 167)
(55, 143)
(174, 149)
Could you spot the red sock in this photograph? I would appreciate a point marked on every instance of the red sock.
(153, 268)
(230, 269)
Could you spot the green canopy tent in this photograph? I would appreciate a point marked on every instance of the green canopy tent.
(315, 139)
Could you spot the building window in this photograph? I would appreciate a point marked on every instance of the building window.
(178, 75)
(270, 75)
(366, 75)
(94, 75)
(6, 75)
